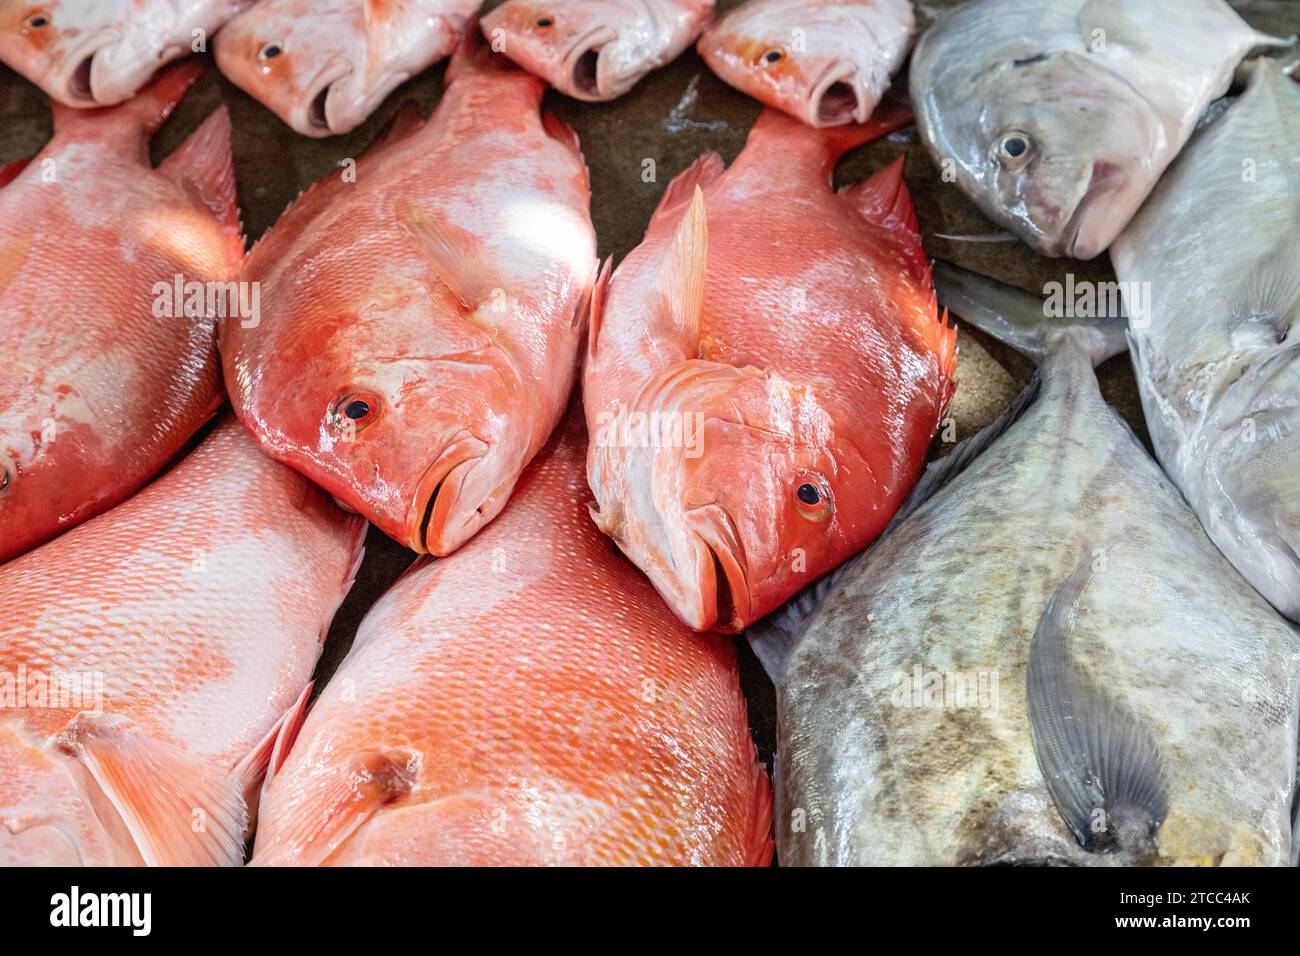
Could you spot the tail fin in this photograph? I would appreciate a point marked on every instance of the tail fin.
(827, 146)
(474, 57)
(145, 114)
(1020, 320)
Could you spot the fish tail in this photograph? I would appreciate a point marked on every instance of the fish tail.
(474, 56)
(1023, 321)
(1100, 763)
(205, 164)
(827, 146)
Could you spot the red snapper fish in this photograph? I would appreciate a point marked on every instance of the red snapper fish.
(595, 50)
(108, 374)
(149, 658)
(766, 372)
(323, 66)
(526, 701)
(826, 62)
(424, 323)
(89, 53)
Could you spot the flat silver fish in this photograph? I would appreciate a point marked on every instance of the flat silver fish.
(1045, 662)
(1057, 117)
(1210, 270)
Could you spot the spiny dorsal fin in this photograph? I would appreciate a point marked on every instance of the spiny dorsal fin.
(1100, 763)
(701, 174)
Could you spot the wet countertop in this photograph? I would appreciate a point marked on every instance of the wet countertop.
(672, 117)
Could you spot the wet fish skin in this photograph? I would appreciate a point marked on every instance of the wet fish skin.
(1217, 346)
(1165, 631)
(103, 390)
(93, 53)
(323, 66)
(826, 62)
(1058, 117)
(526, 701)
(458, 317)
(595, 50)
(799, 382)
(201, 605)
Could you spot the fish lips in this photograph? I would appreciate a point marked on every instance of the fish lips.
(86, 84)
(721, 585)
(438, 521)
(318, 115)
(835, 99)
(1096, 221)
(586, 71)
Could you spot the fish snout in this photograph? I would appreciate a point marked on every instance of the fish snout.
(92, 78)
(1096, 220)
(587, 67)
(724, 573)
(330, 107)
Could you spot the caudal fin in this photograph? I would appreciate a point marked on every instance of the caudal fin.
(474, 56)
(205, 170)
(139, 117)
(825, 147)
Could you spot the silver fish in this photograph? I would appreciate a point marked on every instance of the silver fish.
(1217, 346)
(1058, 116)
(1047, 661)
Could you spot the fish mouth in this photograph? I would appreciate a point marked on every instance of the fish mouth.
(1082, 238)
(431, 524)
(583, 65)
(721, 570)
(834, 100)
(316, 118)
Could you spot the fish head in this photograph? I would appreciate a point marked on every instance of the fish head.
(803, 62)
(727, 493)
(592, 50)
(424, 439)
(325, 74)
(1052, 146)
(84, 54)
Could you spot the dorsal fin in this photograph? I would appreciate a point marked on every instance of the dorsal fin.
(203, 167)
(701, 174)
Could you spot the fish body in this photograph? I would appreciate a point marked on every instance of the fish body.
(1216, 329)
(323, 66)
(826, 62)
(526, 701)
(1058, 117)
(767, 370)
(595, 50)
(181, 628)
(108, 373)
(1047, 662)
(93, 53)
(442, 294)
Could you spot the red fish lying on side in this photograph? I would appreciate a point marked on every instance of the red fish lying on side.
(323, 66)
(526, 701)
(442, 295)
(767, 370)
(181, 631)
(105, 377)
(595, 50)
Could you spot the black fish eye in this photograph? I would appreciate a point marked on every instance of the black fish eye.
(546, 22)
(38, 20)
(356, 409)
(809, 494)
(1015, 145)
(271, 50)
(774, 56)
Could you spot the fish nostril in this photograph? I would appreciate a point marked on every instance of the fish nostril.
(316, 114)
(79, 86)
(586, 72)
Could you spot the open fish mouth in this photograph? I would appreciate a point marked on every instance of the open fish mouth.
(433, 514)
(1082, 237)
(583, 64)
(721, 571)
(322, 101)
(80, 87)
(835, 101)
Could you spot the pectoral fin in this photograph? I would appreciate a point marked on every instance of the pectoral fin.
(465, 274)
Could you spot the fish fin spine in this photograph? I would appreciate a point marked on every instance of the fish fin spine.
(596, 305)
(701, 174)
(684, 292)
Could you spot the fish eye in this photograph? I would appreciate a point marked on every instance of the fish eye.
(1014, 148)
(36, 21)
(271, 50)
(355, 410)
(813, 497)
(775, 55)
(545, 22)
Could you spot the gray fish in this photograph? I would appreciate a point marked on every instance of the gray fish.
(1046, 661)
(1211, 274)
(1058, 116)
